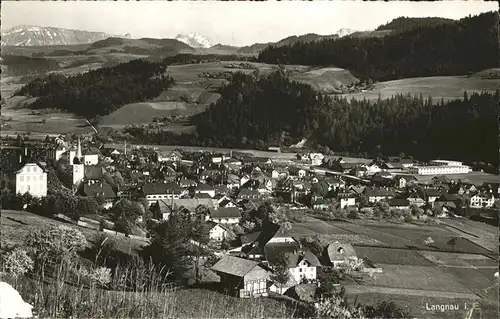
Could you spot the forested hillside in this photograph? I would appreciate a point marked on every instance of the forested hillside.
(402, 24)
(467, 45)
(99, 92)
(255, 112)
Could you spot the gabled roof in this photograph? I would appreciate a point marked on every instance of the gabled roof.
(234, 266)
(161, 188)
(395, 202)
(248, 192)
(188, 203)
(433, 192)
(204, 187)
(249, 238)
(19, 167)
(201, 195)
(290, 250)
(91, 151)
(340, 251)
(226, 212)
(98, 189)
(94, 172)
(370, 191)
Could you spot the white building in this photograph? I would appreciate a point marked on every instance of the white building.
(32, 179)
(347, 200)
(445, 162)
(219, 232)
(439, 170)
(305, 268)
(480, 201)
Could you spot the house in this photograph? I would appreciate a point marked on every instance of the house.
(55, 153)
(242, 277)
(318, 202)
(187, 183)
(359, 171)
(303, 292)
(401, 181)
(225, 201)
(334, 184)
(226, 215)
(205, 189)
(156, 191)
(162, 208)
(31, 178)
(451, 201)
(91, 156)
(482, 200)
(93, 173)
(222, 190)
(372, 169)
(233, 182)
(432, 194)
(399, 203)
(346, 199)
(415, 199)
(217, 159)
(101, 189)
(125, 191)
(260, 161)
(337, 253)
(279, 173)
(316, 159)
(219, 232)
(377, 194)
(169, 156)
(246, 193)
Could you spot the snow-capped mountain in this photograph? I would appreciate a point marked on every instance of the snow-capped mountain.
(195, 40)
(345, 32)
(26, 35)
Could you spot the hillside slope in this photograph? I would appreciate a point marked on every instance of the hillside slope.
(467, 45)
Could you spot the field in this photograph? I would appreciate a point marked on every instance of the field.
(438, 87)
(327, 79)
(379, 255)
(416, 277)
(417, 305)
(16, 225)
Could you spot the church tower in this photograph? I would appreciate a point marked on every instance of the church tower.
(78, 166)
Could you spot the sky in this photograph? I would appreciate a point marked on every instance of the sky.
(233, 23)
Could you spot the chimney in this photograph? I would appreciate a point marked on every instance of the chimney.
(25, 151)
(20, 158)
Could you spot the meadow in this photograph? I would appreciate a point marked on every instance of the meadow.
(438, 87)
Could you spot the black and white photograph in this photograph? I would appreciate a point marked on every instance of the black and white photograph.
(250, 159)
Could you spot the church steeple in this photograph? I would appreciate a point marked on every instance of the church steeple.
(79, 149)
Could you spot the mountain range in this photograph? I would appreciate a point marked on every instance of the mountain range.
(28, 35)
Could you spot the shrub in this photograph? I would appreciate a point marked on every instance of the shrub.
(17, 262)
(100, 276)
(55, 243)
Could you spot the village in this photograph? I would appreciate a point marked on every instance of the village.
(228, 189)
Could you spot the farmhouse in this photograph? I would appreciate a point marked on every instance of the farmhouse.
(100, 189)
(91, 156)
(399, 203)
(242, 277)
(337, 253)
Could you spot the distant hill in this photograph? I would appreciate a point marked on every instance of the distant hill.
(26, 35)
(143, 46)
(457, 47)
(402, 24)
(310, 37)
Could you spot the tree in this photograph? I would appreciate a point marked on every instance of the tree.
(281, 273)
(87, 206)
(452, 242)
(17, 262)
(385, 309)
(125, 214)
